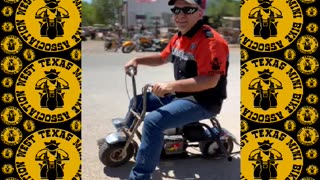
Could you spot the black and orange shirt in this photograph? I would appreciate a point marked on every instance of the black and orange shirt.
(201, 51)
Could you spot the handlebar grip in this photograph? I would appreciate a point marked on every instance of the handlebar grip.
(132, 71)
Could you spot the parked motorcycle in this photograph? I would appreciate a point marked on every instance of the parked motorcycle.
(142, 43)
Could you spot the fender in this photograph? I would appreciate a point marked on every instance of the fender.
(116, 137)
(127, 43)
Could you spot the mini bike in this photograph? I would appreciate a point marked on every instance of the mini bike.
(119, 147)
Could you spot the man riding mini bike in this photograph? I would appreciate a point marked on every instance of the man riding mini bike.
(119, 147)
(200, 58)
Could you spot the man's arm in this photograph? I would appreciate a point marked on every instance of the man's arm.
(198, 83)
(195, 84)
(151, 60)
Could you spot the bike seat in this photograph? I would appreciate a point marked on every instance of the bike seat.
(118, 122)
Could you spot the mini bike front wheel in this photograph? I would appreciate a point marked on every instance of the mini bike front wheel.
(109, 154)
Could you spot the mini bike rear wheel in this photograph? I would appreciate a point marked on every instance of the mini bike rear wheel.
(109, 154)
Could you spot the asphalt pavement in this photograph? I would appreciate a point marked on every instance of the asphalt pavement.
(105, 97)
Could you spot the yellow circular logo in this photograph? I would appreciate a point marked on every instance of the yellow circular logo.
(270, 25)
(308, 65)
(75, 125)
(11, 1)
(307, 44)
(50, 26)
(11, 136)
(244, 126)
(289, 54)
(50, 153)
(270, 154)
(271, 90)
(29, 54)
(312, 28)
(7, 169)
(7, 26)
(312, 99)
(312, 154)
(7, 82)
(11, 44)
(307, 115)
(312, 170)
(11, 115)
(7, 98)
(29, 126)
(75, 55)
(312, 11)
(244, 54)
(290, 125)
(11, 65)
(308, 136)
(311, 82)
(7, 153)
(49, 90)
(7, 11)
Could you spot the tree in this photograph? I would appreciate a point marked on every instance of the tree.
(218, 9)
(88, 14)
(106, 10)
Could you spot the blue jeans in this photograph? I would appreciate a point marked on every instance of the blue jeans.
(174, 113)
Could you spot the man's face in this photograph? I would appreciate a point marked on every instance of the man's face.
(183, 21)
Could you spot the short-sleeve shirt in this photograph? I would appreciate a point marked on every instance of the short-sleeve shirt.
(200, 52)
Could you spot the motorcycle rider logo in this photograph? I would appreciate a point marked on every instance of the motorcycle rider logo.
(244, 55)
(7, 26)
(76, 54)
(7, 82)
(289, 54)
(11, 136)
(312, 170)
(7, 169)
(265, 157)
(11, 115)
(307, 44)
(312, 82)
(7, 98)
(270, 154)
(312, 99)
(265, 16)
(289, 125)
(52, 86)
(308, 136)
(51, 17)
(7, 11)
(312, 11)
(11, 44)
(29, 125)
(29, 54)
(312, 154)
(312, 27)
(269, 25)
(308, 65)
(52, 158)
(7, 153)
(265, 85)
(52, 154)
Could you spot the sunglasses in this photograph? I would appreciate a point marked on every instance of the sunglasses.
(185, 10)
